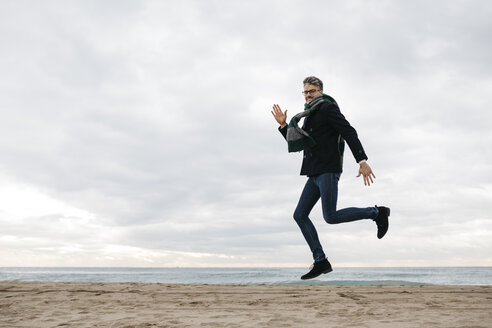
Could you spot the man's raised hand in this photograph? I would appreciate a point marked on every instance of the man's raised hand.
(280, 117)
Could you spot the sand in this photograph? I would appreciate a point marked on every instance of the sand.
(47, 304)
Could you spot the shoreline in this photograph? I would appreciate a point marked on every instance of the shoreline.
(248, 276)
(89, 304)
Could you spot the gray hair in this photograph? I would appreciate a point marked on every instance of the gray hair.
(314, 81)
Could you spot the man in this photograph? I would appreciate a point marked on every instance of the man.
(321, 139)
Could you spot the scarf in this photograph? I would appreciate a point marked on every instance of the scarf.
(297, 138)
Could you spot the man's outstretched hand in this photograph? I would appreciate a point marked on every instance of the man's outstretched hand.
(366, 172)
(280, 117)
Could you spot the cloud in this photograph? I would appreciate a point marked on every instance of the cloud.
(145, 127)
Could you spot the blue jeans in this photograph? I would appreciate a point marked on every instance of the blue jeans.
(325, 186)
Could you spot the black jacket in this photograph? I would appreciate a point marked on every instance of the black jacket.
(329, 128)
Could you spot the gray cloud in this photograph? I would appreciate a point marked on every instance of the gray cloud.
(155, 119)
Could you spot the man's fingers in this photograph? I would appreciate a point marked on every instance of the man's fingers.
(367, 178)
(277, 110)
(367, 174)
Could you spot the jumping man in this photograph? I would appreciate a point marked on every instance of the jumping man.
(322, 139)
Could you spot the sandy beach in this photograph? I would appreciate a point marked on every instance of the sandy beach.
(47, 304)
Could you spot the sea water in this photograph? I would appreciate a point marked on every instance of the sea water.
(249, 276)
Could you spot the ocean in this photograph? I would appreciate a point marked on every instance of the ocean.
(252, 276)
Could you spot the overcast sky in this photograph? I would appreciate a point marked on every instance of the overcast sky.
(139, 133)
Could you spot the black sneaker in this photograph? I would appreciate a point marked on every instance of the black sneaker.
(382, 220)
(318, 268)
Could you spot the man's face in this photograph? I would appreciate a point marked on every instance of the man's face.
(311, 91)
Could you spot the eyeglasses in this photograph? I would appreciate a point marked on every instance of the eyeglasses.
(311, 92)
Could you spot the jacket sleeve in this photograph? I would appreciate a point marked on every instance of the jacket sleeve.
(342, 126)
(283, 131)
